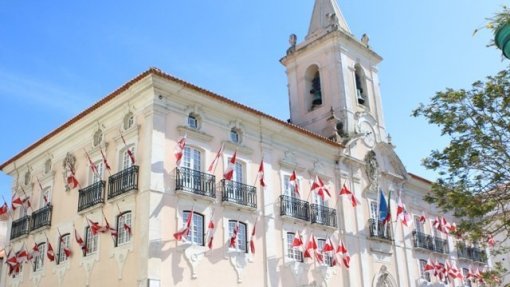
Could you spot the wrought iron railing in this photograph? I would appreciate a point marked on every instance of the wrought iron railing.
(123, 181)
(323, 215)
(293, 207)
(422, 240)
(194, 181)
(472, 253)
(239, 193)
(441, 245)
(379, 230)
(20, 227)
(41, 217)
(91, 195)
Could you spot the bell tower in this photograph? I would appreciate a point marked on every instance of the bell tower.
(333, 79)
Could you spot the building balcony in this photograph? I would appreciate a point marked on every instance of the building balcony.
(422, 240)
(471, 253)
(41, 218)
(239, 194)
(91, 195)
(295, 208)
(123, 182)
(195, 182)
(379, 231)
(441, 245)
(20, 227)
(323, 215)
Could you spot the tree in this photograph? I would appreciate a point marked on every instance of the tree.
(474, 168)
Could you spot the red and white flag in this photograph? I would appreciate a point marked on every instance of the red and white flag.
(491, 241)
(319, 188)
(346, 257)
(328, 246)
(105, 161)
(297, 241)
(16, 202)
(212, 166)
(261, 174)
(26, 202)
(22, 256)
(93, 166)
(233, 238)
(94, 226)
(4, 209)
(229, 173)
(345, 191)
(183, 232)
(128, 150)
(429, 266)
(400, 208)
(252, 238)
(210, 230)
(80, 241)
(108, 228)
(422, 218)
(179, 150)
(72, 182)
(35, 251)
(311, 247)
(67, 250)
(127, 228)
(293, 181)
(50, 253)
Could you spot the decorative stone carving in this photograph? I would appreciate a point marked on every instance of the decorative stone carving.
(372, 170)
(239, 261)
(296, 269)
(98, 137)
(324, 273)
(61, 269)
(88, 263)
(120, 254)
(194, 255)
(36, 277)
(384, 278)
(292, 42)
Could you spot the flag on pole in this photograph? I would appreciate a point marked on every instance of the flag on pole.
(183, 232)
(72, 182)
(384, 212)
(16, 202)
(328, 246)
(252, 238)
(422, 218)
(233, 238)
(80, 241)
(400, 207)
(210, 228)
(297, 241)
(128, 150)
(179, 150)
(94, 226)
(50, 253)
(346, 257)
(105, 161)
(261, 173)
(35, 251)
(429, 266)
(4, 209)
(319, 188)
(93, 166)
(229, 173)
(311, 247)
(213, 163)
(293, 181)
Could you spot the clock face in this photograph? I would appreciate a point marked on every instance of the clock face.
(365, 128)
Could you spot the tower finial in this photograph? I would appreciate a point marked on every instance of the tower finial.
(326, 16)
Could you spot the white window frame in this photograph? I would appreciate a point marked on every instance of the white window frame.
(196, 234)
(423, 274)
(39, 260)
(91, 241)
(123, 236)
(93, 178)
(192, 158)
(242, 239)
(66, 238)
(124, 160)
(293, 254)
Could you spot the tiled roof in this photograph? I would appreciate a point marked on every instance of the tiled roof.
(158, 72)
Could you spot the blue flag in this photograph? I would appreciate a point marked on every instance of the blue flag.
(383, 207)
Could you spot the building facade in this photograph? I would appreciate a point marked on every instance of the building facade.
(130, 197)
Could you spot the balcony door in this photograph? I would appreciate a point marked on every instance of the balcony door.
(293, 204)
(235, 187)
(192, 163)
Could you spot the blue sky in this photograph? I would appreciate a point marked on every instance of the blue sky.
(58, 58)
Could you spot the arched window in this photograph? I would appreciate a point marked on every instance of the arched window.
(313, 86)
(127, 157)
(327, 256)
(192, 158)
(237, 235)
(193, 121)
(124, 228)
(39, 259)
(196, 236)
(361, 91)
(90, 241)
(424, 274)
(235, 135)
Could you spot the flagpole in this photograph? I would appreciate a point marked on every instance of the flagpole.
(257, 177)
(218, 157)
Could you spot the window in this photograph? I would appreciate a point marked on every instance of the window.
(361, 94)
(327, 256)
(123, 228)
(192, 121)
(39, 259)
(238, 172)
(63, 247)
(128, 121)
(192, 158)
(425, 275)
(23, 211)
(98, 137)
(292, 252)
(241, 234)
(196, 236)
(418, 224)
(289, 189)
(234, 136)
(90, 241)
(27, 178)
(373, 209)
(313, 86)
(96, 177)
(125, 158)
